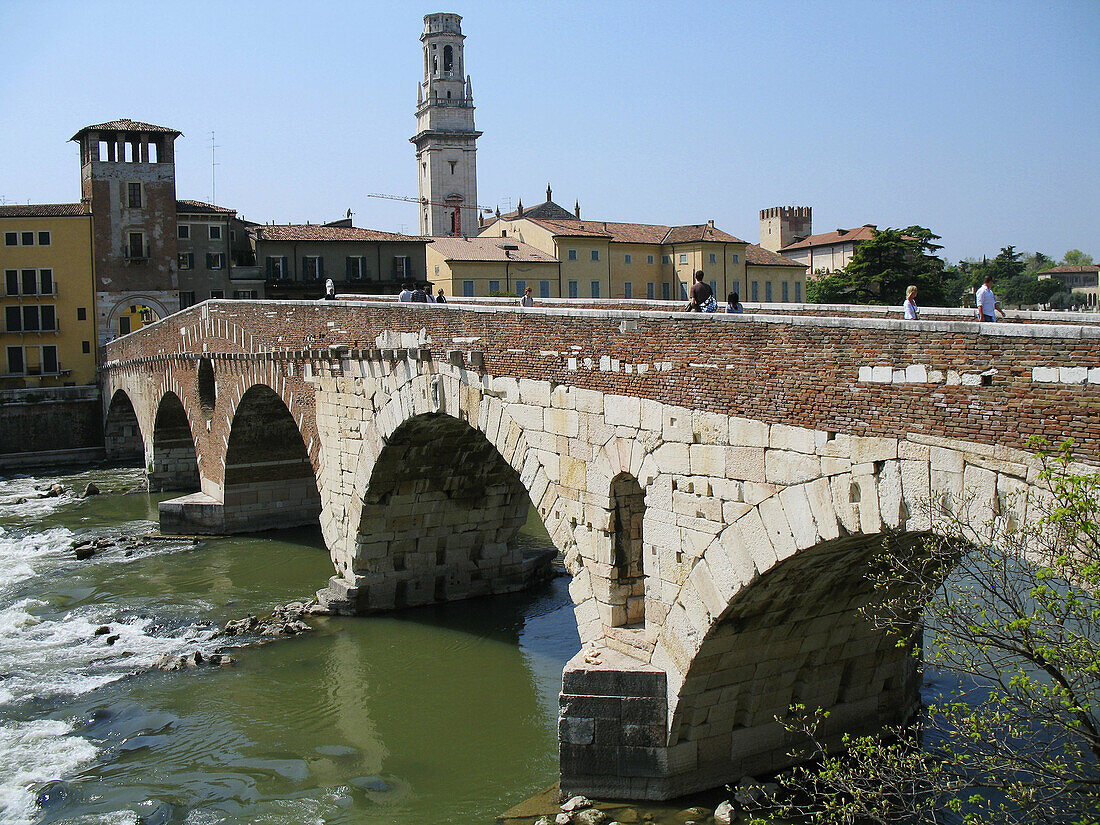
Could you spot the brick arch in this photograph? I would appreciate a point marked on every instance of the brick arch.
(174, 464)
(122, 431)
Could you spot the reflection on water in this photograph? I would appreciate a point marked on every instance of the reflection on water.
(442, 714)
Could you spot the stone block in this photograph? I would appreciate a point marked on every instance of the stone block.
(673, 458)
(745, 463)
(800, 516)
(620, 410)
(796, 439)
(561, 422)
(707, 460)
(787, 467)
(676, 426)
(536, 393)
(916, 374)
(1073, 375)
(873, 448)
(747, 432)
(526, 416)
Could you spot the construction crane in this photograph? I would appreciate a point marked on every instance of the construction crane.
(425, 202)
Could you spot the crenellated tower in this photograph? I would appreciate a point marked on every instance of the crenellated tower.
(446, 140)
(781, 226)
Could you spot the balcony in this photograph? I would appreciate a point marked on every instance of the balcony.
(138, 255)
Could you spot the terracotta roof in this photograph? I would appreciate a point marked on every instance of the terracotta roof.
(314, 232)
(42, 210)
(488, 249)
(1070, 270)
(127, 125)
(638, 232)
(759, 256)
(699, 232)
(198, 207)
(860, 233)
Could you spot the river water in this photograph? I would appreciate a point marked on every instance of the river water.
(438, 715)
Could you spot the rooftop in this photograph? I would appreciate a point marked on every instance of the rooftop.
(198, 207)
(42, 210)
(860, 233)
(317, 232)
(127, 125)
(1071, 270)
(760, 256)
(488, 249)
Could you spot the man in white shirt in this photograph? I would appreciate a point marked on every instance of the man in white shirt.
(406, 294)
(987, 302)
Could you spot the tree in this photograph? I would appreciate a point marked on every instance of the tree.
(882, 268)
(1037, 262)
(1011, 608)
(1027, 290)
(1075, 257)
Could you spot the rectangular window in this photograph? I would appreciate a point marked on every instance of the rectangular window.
(628, 290)
(494, 287)
(649, 259)
(520, 287)
(27, 238)
(133, 195)
(49, 360)
(49, 318)
(798, 292)
(595, 254)
(756, 291)
(627, 258)
(30, 281)
(136, 247)
(402, 266)
(86, 347)
(666, 291)
(217, 293)
(573, 290)
(736, 258)
(215, 232)
(124, 325)
(187, 299)
(468, 289)
(11, 239)
(11, 281)
(186, 260)
(595, 289)
(544, 289)
(30, 319)
(215, 260)
(13, 319)
(572, 254)
(244, 294)
(683, 258)
(713, 259)
(683, 291)
(276, 267)
(15, 361)
(666, 259)
(356, 267)
(650, 292)
(43, 238)
(768, 291)
(786, 296)
(45, 282)
(81, 314)
(183, 231)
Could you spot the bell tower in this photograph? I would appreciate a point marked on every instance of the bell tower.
(446, 140)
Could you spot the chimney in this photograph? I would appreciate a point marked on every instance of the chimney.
(549, 197)
(577, 209)
(710, 223)
(519, 209)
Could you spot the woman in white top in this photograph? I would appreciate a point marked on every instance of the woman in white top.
(910, 305)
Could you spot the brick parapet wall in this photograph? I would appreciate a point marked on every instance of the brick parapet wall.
(991, 384)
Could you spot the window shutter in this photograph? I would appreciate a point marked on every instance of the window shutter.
(209, 261)
(349, 272)
(285, 270)
(320, 267)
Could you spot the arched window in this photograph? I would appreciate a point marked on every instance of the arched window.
(448, 59)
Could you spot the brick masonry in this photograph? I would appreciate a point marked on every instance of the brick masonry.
(767, 470)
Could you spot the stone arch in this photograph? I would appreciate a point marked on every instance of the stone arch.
(269, 480)
(122, 438)
(175, 462)
(440, 510)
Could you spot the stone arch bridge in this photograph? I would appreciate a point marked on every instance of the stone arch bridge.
(715, 484)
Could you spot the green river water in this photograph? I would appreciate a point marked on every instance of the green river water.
(439, 715)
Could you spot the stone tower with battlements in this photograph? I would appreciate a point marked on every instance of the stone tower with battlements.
(446, 140)
(781, 226)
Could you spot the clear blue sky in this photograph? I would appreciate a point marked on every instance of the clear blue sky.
(978, 120)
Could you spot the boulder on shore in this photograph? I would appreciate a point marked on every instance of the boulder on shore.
(91, 490)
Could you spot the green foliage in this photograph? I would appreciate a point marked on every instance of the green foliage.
(882, 268)
(1075, 257)
(1027, 290)
(1010, 606)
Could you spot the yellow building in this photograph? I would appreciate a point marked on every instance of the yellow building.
(603, 259)
(491, 266)
(770, 277)
(48, 333)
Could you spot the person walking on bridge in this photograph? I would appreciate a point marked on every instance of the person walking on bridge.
(987, 302)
